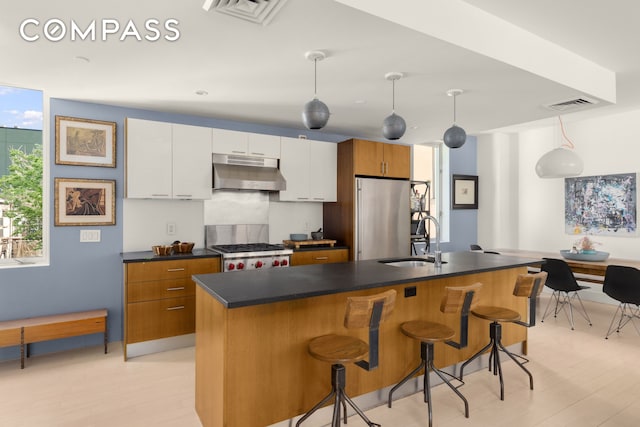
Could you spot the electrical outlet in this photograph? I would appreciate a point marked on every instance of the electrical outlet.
(89, 236)
(410, 291)
(171, 228)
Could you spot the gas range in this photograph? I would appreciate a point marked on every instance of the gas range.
(242, 248)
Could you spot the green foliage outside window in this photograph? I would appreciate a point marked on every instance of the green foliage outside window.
(21, 189)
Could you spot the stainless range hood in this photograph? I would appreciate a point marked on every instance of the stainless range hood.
(246, 173)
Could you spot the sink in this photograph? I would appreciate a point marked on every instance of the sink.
(409, 262)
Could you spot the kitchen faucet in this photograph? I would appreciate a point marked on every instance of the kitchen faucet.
(437, 254)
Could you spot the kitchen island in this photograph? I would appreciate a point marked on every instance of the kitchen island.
(252, 330)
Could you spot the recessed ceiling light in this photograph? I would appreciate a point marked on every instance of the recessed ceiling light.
(82, 58)
(360, 101)
(414, 127)
(202, 92)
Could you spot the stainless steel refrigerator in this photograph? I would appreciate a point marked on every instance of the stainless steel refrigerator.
(383, 218)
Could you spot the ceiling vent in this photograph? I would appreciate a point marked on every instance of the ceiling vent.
(256, 11)
(572, 104)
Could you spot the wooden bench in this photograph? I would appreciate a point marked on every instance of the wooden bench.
(23, 332)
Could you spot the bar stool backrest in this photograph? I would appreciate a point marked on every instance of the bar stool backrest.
(530, 285)
(454, 298)
(360, 309)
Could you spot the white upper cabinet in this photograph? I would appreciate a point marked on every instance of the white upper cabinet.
(245, 143)
(167, 161)
(192, 170)
(310, 169)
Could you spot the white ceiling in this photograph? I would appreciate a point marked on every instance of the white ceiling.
(554, 51)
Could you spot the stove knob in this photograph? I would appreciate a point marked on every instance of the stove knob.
(276, 263)
(284, 262)
(231, 266)
(258, 264)
(240, 266)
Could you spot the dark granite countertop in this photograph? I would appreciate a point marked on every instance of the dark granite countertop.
(145, 256)
(248, 288)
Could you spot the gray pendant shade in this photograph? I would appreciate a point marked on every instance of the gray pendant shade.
(455, 136)
(393, 126)
(315, 113)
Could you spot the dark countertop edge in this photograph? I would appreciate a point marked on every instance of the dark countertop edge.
(373, 285)
(319, 248)
(146, 256)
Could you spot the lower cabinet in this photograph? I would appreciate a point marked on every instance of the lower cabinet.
(159, 298)
(323, 256)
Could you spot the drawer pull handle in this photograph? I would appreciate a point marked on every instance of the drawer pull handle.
(320, 258)
(179, 288)
(177, 307)
(175, 269)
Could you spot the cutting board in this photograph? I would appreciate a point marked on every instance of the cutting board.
(297, 243)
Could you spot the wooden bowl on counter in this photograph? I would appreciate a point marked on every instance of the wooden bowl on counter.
(183, 247)
(162, 250)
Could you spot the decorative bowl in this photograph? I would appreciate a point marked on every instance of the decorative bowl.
(183, 247)
(162, 250)
(298, 237)
(590, 256)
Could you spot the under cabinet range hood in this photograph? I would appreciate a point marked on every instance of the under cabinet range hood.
(234, 172)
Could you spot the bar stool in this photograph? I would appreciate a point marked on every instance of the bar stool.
(527, 285)
(456, 300)
(367, 311)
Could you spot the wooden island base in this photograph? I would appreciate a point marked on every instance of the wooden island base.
(252, 365)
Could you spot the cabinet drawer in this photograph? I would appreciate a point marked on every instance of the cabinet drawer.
(170, 269)
(319, 257)
(164, 318)
(172, 288)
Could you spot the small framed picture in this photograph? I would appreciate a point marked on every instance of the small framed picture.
(464, 190)
(85, 202)
(84, 142)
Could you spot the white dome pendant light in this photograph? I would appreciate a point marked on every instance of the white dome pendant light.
(393, 126)
(560, 162)
(315, 114)
(455, 136)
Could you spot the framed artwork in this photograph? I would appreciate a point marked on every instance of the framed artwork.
(602, 204)
(464, 190)
(83, 142)
(85, 201)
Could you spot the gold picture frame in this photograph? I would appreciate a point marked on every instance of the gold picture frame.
(85, 202)
(84, 142)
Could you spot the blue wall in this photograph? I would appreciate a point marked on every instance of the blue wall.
(85, 276)
(464, 222)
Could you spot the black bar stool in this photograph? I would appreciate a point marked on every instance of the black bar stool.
(456, 300)
(367, 311)
(527, 285)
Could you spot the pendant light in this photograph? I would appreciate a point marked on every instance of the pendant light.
(393, 126)
(560, 162)
(455, 136)
(315, 114)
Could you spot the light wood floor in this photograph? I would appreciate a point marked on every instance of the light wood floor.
(580, 380)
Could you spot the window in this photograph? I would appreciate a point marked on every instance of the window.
(428, 164)
(22, 166)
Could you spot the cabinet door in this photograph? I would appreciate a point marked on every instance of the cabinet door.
(191, 162)
(323, 170)
(229, 142)
(294, 165)
(324, 256)
(264, 145)
(148, 159)
(397, 160)
(368, 157)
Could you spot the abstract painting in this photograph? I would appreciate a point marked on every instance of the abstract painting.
(603, 204)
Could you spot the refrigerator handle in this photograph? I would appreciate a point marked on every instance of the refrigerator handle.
(358, 253)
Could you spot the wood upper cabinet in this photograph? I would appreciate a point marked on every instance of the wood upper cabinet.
(381, 159)
(245, 143)
(167, 161)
